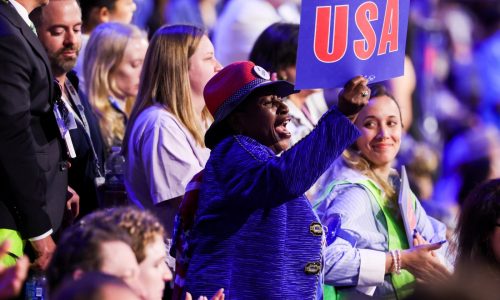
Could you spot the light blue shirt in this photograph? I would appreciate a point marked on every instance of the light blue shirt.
(355, 254)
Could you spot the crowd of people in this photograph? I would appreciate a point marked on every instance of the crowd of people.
(159, 150)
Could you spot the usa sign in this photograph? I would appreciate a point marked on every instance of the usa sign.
(339, 39)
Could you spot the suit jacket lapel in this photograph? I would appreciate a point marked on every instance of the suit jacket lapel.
(11, 14)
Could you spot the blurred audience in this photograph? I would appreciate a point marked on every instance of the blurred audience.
(144, 11)
(402, 88)
(239, 25)
(276, 51)
(157, 18)
(200, 13)
(477, 265)
(469, 159)
(478, 231)
(113, 64)
(95, 12)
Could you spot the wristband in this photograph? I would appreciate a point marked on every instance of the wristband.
(396, 261)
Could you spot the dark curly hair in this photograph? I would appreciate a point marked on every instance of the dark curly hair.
(141, 225)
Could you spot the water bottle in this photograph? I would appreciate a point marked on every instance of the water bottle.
(36, 287)
(115, 193)
(114, 167)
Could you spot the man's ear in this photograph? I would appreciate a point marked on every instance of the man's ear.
(104, 14)
(282, 75)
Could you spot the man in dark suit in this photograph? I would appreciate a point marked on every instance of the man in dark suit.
(34, 175)
(59, 26)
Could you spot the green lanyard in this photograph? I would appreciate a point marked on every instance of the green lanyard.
(402, 283)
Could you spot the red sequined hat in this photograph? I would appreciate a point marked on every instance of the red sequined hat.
(231, 86)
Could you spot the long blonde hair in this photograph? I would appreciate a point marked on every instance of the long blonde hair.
(103, 54)
(165, 78)
(353, 158)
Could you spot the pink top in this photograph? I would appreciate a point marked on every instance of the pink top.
(163, 156)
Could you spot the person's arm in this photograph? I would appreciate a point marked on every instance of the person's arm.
(20, 166)
(294, 172)
(347, 263)
(253, 173)
(350, 260)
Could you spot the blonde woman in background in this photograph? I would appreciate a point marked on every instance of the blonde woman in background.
(113, 62)
(95, 12)
(164, 145)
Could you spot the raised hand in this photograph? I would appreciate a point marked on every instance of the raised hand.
(354, 97)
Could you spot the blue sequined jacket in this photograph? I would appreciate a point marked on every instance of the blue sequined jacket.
(256, 234)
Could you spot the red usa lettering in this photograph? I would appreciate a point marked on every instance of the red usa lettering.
(364, 48)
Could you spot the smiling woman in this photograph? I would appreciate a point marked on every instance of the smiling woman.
(368, 248)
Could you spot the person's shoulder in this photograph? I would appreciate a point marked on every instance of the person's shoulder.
(240, 146)
(354, 191)
(7, 25)
(345, 186)
(8, 17)
(156, 115)
(156, 120)
(349, 200)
